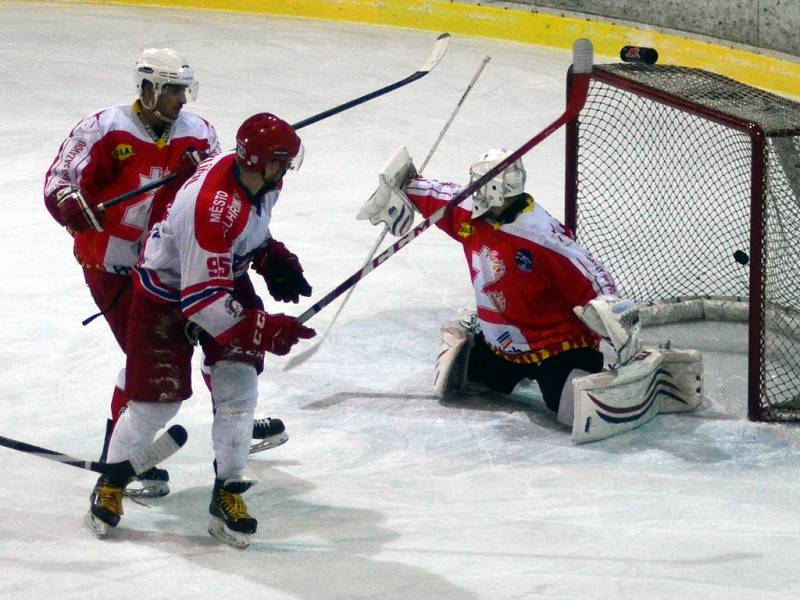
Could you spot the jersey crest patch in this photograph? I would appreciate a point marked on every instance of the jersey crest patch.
(122, 151)
(234, 307)
(505, 340)
(466, 230)
(524, 260)
(498, 299)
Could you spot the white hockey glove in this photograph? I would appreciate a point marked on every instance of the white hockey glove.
(616, 320)
(389, 203)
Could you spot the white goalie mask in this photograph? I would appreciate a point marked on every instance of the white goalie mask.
(506, 184)
(163, 66)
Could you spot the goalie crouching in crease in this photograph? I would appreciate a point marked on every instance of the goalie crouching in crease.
(543, 306)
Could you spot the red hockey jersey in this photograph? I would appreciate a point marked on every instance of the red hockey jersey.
(527, 275)
(113, 152)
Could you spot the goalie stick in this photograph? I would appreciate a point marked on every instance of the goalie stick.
(309, 352)
(167, 444)
(581, 68)
(439, 48)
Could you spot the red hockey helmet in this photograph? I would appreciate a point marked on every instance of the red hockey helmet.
(263, 138)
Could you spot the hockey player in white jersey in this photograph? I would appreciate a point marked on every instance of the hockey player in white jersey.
(193, 276)
(113, 151)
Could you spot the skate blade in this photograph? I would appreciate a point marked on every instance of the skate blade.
(149, 488)
(99, 528)
(217, 529)
(270, 442)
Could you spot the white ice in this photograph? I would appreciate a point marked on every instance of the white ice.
(382, 491)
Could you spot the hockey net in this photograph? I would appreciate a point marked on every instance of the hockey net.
(686, 184)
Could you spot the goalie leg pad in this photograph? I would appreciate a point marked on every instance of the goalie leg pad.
(685, 370)
(566, 404)
(656, 380)
(458, 338)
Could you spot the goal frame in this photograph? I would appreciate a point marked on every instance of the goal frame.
(756, 323)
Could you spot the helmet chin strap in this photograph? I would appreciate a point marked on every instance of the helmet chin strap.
(152, 108)
(270, 185)
(166, 120)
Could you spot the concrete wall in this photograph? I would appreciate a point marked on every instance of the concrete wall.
(543, 22)
(769, 24)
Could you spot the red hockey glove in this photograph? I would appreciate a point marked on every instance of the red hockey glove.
(187, 165)
(70, 209)
(282, 271)
(260, 332)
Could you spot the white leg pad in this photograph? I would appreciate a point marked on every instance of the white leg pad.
(450, 372)
(235, 392)
(566, 404)
(137, 427)
(612, 402)
(685, 368)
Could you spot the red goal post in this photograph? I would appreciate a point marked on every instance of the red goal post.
(686, 184)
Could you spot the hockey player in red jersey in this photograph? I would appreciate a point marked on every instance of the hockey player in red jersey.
(529, 276)
(193, 277)
(113, 151)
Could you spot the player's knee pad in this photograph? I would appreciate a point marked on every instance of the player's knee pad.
(137, 427)
(235, 386)
(148, 417)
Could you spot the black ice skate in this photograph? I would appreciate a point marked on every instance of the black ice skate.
(153, 483)
(270, 433)
(230, 522)
(106, 507)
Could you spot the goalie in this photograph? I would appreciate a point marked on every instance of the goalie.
(543, 303)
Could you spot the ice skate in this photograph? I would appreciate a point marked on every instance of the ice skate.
(106, 507)
(270, 433)
(153, 483)
(230, 522)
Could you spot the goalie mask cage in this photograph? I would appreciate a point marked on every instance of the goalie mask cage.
(686, 184)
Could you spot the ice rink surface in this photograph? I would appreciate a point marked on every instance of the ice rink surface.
(382, 491)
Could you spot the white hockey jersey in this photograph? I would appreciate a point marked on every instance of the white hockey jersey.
(209, 237)
(113, 152)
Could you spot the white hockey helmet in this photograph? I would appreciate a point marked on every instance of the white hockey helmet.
(506, 184)
(163, 66)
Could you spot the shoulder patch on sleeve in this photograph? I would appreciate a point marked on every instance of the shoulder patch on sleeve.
(220, 216)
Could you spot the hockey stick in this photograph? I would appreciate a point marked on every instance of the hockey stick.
(166, 445)
(308, 353)
(581, 68)
(439, 48)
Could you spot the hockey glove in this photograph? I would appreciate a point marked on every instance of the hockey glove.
(389, 204)
(70, 209)
(616, 321)
(187, 165)
(261, 332)
(282, 272)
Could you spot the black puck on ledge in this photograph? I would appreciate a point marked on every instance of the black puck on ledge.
(638, 54)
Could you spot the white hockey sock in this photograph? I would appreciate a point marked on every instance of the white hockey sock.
(235, 395)
(137, 427)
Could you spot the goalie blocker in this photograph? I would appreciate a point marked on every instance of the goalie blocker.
(657, 380)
